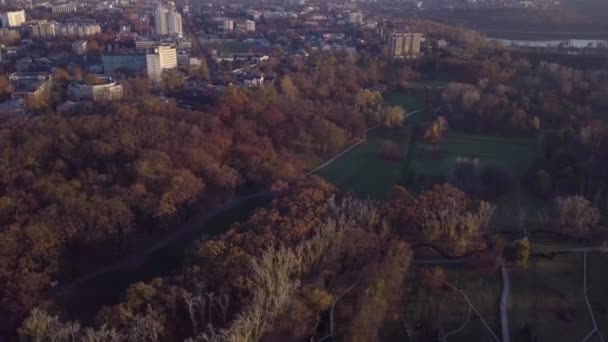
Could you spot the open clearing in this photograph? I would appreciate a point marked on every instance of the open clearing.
(457, 148)
(364, 170)
(434, 163)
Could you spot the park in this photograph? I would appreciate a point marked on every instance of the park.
(547, 299)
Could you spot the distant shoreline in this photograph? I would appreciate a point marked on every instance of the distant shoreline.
(544, 35)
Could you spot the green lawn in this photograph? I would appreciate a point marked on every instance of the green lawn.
(405, 99)
(436, 162)
(547, 297)
(364, 171)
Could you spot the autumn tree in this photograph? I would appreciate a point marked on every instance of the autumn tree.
(172, 79)
(392, 117)
(434, 277)
(288, 87)
(576, 213)
(436, 129)
(201, 70)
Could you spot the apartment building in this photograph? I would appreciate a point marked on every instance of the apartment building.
(405, 44)
(159, 59)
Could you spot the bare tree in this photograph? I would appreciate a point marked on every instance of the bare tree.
(576, 213)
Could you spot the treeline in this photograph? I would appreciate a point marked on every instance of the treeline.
(501, 94)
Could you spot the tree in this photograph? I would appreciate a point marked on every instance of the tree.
(201, 70)
(434, 277)
(576, 213)
(92, 79)
(521, 252)
(288, 87)
(444, 212)
(61, 76)
(5, 86)
(172, 79)
(392, 117)
(436, 129)
(318, 299)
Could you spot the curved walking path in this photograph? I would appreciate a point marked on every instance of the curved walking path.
(504, 303)
(350, 148)
(595, 327)
(190, 226)
(461, 327)
(474, 309)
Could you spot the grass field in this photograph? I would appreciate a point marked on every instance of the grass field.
(547, 297)
(435, 162)
(364, 171)
(406, 100)
(446, 309)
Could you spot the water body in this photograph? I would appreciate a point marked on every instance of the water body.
(553, 43)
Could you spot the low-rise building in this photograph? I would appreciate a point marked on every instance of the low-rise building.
(183, 58)
(9, 34)
(371, 24)
(30, 85)
(249, 25)
(104, 88)
(13, 18)
(67, 8)
(253, 80)
(79, 47)
(43, 30)
(355, 18)
(11, 108)
(129, 62)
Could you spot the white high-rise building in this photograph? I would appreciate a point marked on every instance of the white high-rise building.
(405, 44)
(228, 25)
(159, 59)
(174, 21)
(167, 21)
(160, 20)
(13, 18)
(250, 25)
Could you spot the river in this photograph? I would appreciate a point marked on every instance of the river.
(553, 43)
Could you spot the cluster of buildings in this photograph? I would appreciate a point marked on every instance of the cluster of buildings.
(35, 87)
(153, 61)
(229, 25)
(43, 30)
(104, 88)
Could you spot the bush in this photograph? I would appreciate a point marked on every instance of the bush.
(318, 299)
